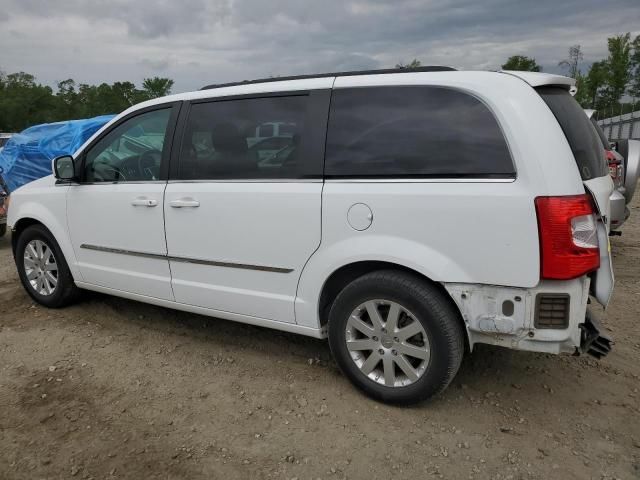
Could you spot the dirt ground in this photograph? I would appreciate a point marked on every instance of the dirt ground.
(111, 388)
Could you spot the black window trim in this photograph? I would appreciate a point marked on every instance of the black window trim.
(166, 148)
(499, 177)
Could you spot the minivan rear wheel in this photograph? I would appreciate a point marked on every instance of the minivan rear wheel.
(396, 336)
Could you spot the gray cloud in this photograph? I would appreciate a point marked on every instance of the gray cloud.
(158, 65)
(142, 19)
(198, 42)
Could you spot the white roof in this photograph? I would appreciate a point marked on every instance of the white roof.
(535, 79)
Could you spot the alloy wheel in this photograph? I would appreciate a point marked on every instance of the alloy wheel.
(40, 267)
(387, 343)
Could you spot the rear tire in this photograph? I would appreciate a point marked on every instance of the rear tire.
(396, 336)
(42, 268)
(3, 229)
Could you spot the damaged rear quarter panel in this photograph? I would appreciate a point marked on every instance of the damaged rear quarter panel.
(486, 321)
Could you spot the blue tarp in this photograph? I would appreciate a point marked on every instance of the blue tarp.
(27, 155)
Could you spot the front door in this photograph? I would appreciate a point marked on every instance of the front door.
(115, 214)
(243, 215)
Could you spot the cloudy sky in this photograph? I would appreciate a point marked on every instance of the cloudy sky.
(198, 42)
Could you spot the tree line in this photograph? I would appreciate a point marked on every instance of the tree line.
(603, 86)
(607, 82)
(25, 102)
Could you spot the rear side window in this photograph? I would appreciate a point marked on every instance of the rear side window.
(582, 137)
(413, 132)
(240, 139)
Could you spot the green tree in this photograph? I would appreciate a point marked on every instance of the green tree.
(590, 87)
(415, 63)
(581, 95)
(24, 102)
(618, 71)
(522, 63)
(67, 96)
(634, 86)
(124, 94)
(572, 63)
(156, 87)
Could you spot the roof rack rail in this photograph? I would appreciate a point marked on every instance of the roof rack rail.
(434, 68)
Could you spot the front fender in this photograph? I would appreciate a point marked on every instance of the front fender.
(399, 251)
(48, 207)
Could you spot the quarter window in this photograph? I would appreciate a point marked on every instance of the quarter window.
(244, 139)
(587, 148)
(130, 152)
(413, 132)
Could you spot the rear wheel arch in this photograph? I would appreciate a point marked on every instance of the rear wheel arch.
(389, 365)
(343, 276)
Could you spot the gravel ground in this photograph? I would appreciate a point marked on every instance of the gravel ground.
(111, 388)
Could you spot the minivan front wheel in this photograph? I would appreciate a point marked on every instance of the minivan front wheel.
(396, 336)
(42, 268)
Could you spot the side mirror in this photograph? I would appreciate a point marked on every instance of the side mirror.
(64, 168)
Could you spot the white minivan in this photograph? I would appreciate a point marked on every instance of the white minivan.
(410, 216)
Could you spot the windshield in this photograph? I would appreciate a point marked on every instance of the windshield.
(583, 138)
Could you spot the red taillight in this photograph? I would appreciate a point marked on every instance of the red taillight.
(568, 236)
(615, 167)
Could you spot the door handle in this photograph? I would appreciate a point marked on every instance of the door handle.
(144, 202)
(184, 202)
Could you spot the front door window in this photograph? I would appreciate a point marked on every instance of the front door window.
(131, 152)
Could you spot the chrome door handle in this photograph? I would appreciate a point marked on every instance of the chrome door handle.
(184, 202)
(144, 202)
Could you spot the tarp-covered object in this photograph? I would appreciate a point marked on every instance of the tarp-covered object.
(27, 155)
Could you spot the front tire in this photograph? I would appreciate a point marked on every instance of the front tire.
(42, 268)
(396, 336)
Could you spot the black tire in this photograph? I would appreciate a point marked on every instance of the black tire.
(3, 229)
(428, 305)
(65, 291)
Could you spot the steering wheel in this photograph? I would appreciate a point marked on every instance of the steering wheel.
(106, 171)
(103, 172)
(148, 163)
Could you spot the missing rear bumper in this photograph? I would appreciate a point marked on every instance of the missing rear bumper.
(592, 340)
